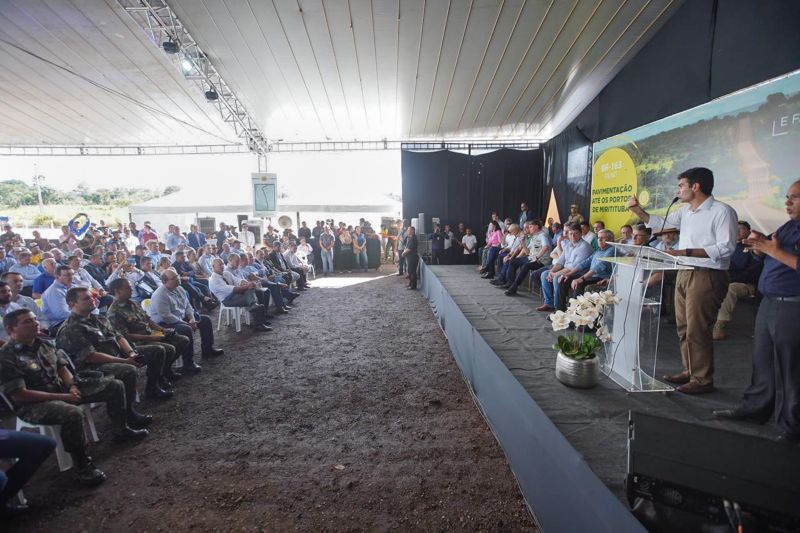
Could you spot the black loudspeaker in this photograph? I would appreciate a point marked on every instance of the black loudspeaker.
(680, 475)
(424, 224)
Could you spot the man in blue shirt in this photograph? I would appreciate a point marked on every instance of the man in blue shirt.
(45, 279)
(54, 299)
(6, 262)
(555, 281)
(599, 273)
(170, 308)
(196, 238)
(775, 385)
(27, 270)
(174, 238)
(153, 251)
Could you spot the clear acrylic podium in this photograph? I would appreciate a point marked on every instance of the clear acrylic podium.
(630, 356)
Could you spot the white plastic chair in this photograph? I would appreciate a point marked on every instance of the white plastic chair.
(232, 313)
(311, 270)
(54, 431)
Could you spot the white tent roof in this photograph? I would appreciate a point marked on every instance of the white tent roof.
(237, 198)
(312, 70)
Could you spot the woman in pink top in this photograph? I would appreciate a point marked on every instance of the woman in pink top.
(494, 238)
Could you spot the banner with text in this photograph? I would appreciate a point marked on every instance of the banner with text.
(749, 139)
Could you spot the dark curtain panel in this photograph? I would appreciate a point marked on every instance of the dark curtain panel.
(567, 164)
(461, 188)
(707, 49)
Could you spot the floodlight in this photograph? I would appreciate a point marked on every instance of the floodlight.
(211, 94)
(186, 65)
(170, 47)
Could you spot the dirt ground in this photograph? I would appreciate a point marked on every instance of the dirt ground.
(350, 416)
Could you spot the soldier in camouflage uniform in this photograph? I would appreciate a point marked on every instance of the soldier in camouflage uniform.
(94, 345)
(38, 381)
(130, 320)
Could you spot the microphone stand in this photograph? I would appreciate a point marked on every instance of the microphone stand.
(674, 201)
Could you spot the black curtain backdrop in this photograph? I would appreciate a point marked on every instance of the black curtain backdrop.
(567, 167)
(462, 188)
(707, 49)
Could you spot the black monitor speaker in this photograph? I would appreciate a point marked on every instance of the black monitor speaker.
(680, 476)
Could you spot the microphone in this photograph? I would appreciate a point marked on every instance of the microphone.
(673, 202)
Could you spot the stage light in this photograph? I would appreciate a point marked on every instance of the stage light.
(170, 47)
(186, 65)
(211, 95)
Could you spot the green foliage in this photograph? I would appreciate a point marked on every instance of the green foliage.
(579, 347)
(44, 219)
(17, 193)
(171, 189)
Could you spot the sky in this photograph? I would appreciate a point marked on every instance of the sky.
(362, 172)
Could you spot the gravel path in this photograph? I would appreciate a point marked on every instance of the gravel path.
(351, 416)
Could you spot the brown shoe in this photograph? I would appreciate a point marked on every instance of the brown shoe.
(678, 379)
(545, 307)
(694, 387)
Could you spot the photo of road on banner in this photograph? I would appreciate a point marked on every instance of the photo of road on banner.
(749, 140)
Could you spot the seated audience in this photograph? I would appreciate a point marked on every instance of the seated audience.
(626, 234)
(599, 274)
(158, 352)
(6, 262)
(170, 308)
(494, 241)
(194, 283)
(48, 393)
(555, 282)
(537, 250)
(67, 241)
(14, 281)
(42, 243)
(238, 292)
(641, 235)
(512, 248)
(588, 235)
(174, 238)
(45, 279)
(36, 254)
(296, 265)
(54, 299)
(97, 270)
(82, 278)
(667, 239)
(28, 271)
(744, 271)
(94, 345)
(27, 451)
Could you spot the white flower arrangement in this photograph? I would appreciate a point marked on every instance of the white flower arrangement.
(585, 311)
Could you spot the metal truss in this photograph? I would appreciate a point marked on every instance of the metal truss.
(161, 24)
(332, 146)
(65, 150)
(467, 146)
(352, 146)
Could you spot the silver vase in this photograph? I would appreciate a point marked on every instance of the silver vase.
(579, 374)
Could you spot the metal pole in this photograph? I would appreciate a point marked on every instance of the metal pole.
(37, 181)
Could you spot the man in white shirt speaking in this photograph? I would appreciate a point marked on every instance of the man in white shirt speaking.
(707, 241)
